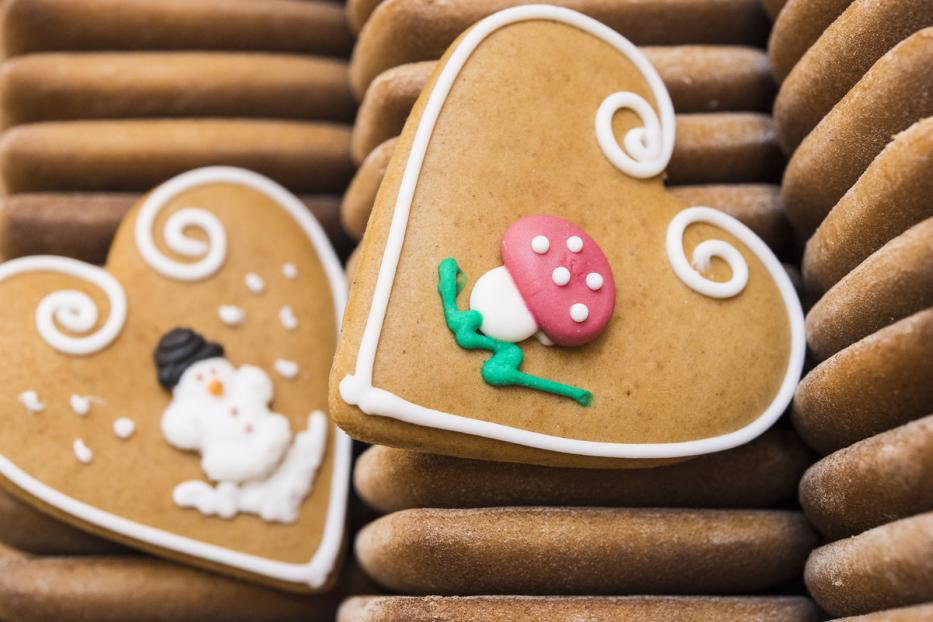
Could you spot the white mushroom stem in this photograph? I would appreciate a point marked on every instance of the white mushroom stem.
(505, 315)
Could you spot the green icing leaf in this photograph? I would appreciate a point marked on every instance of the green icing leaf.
(502, 369)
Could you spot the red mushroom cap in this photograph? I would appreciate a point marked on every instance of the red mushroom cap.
(563, 277)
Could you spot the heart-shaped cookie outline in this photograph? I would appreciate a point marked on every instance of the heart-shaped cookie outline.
(316, 572)
(652, 145)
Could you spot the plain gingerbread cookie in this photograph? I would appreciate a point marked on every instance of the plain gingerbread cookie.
(390, 479)
(882, 478)
(387, 40)
(289, 26)
(885, 101)
(589, 608)
(66, 86)
(848, 48)
(892, 283)
(901, 614)
(796, 27)
(82, 225)
(885, 567)
(135, 155)
(875, 384)
(891, 196)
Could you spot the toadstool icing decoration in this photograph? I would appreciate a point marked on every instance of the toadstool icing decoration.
(555, 283)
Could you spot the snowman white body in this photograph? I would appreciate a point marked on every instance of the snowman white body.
(223, 413)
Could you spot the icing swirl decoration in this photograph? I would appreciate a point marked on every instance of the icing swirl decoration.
(647, 149)
(212, 252)
(72, 309)
(690, 272)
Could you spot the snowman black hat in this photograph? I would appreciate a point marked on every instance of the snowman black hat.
(179, 349)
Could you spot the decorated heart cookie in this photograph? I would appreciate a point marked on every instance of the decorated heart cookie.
(175, 399)
(528, 290)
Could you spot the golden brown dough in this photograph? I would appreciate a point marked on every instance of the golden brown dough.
(405, 31)
(583, 550)
(358, 12)
(590, 608)
(138, 155)
(81, 225)
(833, 156)
(864, 32)
(875, 384)
(882, 478)
(799, 24)
(888, 566)
(890, 197)
(64, 86)
(292, 26)
(892, 283)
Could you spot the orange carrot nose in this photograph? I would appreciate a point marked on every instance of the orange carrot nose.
(216, 387)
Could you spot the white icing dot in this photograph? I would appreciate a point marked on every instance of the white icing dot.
(255, 283)
(30, 399)
(288, 319)
(124, 428)
(579, 312)
(81, 404)
(285, 368)
(289, 271)
(594, 281)
(82, 452)
(575, 244)
(560, 276)
(231, 315)
(540, 244)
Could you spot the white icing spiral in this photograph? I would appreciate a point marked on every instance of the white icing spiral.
(648, 148)
(212, 252)
(689, 272)
(72, 309)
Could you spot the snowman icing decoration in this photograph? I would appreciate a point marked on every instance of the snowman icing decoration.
(247, 451)
(555, 284)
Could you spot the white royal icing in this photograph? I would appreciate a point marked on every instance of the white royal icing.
(289, 271)
(316, 571)
(70, 308)
(648, 151)
(505, 315)
(287, 318)
(560, 276)
(30, 400)
(254, 283)
(278, 497)
(594, 281)
(231, 315)
(81, 404)
(689, 272)
(82, 452)
(579, 312)
(540, 244)
(212, 252)
(124, 428)
(575, 244)
(287, 369)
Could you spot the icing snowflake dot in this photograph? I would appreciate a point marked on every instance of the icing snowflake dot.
(575, 244)
(289, 271)
(579, 312)
(231, 315)
(254, 283)
(30, 399)
(594, 281)
(540, 244)
(287, 369)
(123, 428)
(560, 276)
(82, 452)
(287, 318)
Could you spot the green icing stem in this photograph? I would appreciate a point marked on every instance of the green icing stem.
(502, 368)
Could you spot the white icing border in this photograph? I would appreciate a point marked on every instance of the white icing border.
(357, 389)
(314, 573)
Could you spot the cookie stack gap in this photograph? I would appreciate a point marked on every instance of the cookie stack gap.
(853, 114)
(478, 528)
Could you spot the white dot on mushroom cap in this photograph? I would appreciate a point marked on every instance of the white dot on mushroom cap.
(540, 244)
(594, 281)
(560, 276)
(579, 312)
(575, 244)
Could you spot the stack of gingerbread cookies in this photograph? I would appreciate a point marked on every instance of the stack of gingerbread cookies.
(487, 521)
(102, 101)
(855, 115)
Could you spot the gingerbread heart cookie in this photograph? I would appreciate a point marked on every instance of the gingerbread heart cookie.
(528, 290)
(175, 399)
